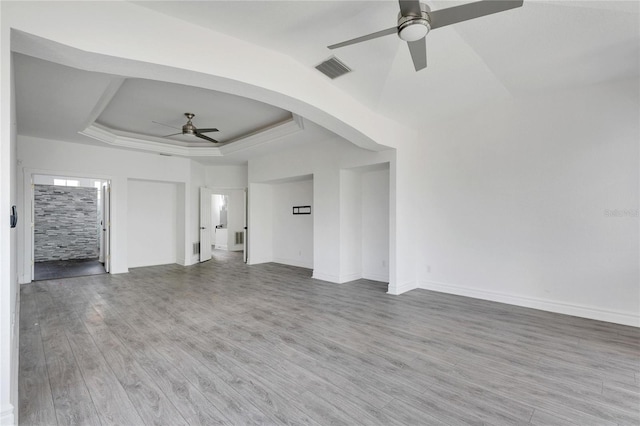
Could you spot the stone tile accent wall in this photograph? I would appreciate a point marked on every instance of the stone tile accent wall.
(66, 223)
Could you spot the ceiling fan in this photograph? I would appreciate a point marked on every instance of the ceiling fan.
(190, 129)
(416, 19)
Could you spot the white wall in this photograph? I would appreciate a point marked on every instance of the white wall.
(152, 223)
(324, 161)
(39, 156)
(197, 176)
(260, 229)
(350, 225)
(514, 200)
(292, 235)
(235, 218)
(375, 225)
(364, 223)
(226, 176)
(9, 289)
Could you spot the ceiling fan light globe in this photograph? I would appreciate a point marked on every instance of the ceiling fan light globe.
(414, 29)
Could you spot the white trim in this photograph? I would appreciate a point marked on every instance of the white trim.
(258, 261)
(105, 99)
(149, 143)
(293, 262)
(536, 303)
(325, 277)
(26, 254)
(220, 247)
(345, 278)
(269, 134)
(6, 415)
(376, 277)
(192, 149)
(398, 289)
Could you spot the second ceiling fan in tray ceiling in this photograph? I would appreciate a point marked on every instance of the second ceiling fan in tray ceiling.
(190, 129)
(416, 19)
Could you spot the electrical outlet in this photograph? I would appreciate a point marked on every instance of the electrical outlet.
(384, 263)
(428, 269)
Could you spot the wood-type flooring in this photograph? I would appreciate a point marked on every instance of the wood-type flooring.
(226, 343)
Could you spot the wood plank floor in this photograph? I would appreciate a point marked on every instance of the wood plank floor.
(226, 343)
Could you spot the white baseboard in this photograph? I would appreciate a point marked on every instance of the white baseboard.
(398, 289)
(6, 415)
(376, 277)
(345, 278)
(326, 277)
(220, 247)
(293, 262)
(536, 303)
(191, 261)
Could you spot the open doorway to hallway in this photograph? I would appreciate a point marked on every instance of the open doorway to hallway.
(70, 227)
(222, 222)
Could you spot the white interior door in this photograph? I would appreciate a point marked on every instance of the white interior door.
(106, 225)
(244, 240)
(102, 223)
(205, 224)
(33, 230)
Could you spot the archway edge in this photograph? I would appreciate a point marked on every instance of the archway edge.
(124, 39)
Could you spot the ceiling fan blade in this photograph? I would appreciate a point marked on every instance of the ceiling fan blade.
(452, 15)
(418, 51)
(410, 8)
(393, 30)
(213, 129)
(162, 124)
(206, 138)
(173, 134)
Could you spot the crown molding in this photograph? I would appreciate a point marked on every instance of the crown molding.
(153, 144)
(270, 134)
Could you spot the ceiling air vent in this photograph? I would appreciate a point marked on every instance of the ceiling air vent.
(333, 68)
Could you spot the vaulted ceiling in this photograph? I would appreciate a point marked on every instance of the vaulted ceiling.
(544, 45)
(541, 47)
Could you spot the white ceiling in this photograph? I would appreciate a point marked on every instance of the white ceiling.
(543, 46)
(54, 101)
(58, 102)
(138, 103)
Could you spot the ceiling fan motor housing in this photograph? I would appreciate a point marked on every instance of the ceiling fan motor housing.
(412, 28)
(189, 128)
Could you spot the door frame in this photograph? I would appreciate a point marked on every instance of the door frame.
(205, 224)
(224, 190)
(26, 250)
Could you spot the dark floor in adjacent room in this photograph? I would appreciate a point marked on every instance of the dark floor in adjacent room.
(66, 269)
(221, 342)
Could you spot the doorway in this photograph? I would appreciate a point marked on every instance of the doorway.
(222, 222)
(70, 227)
